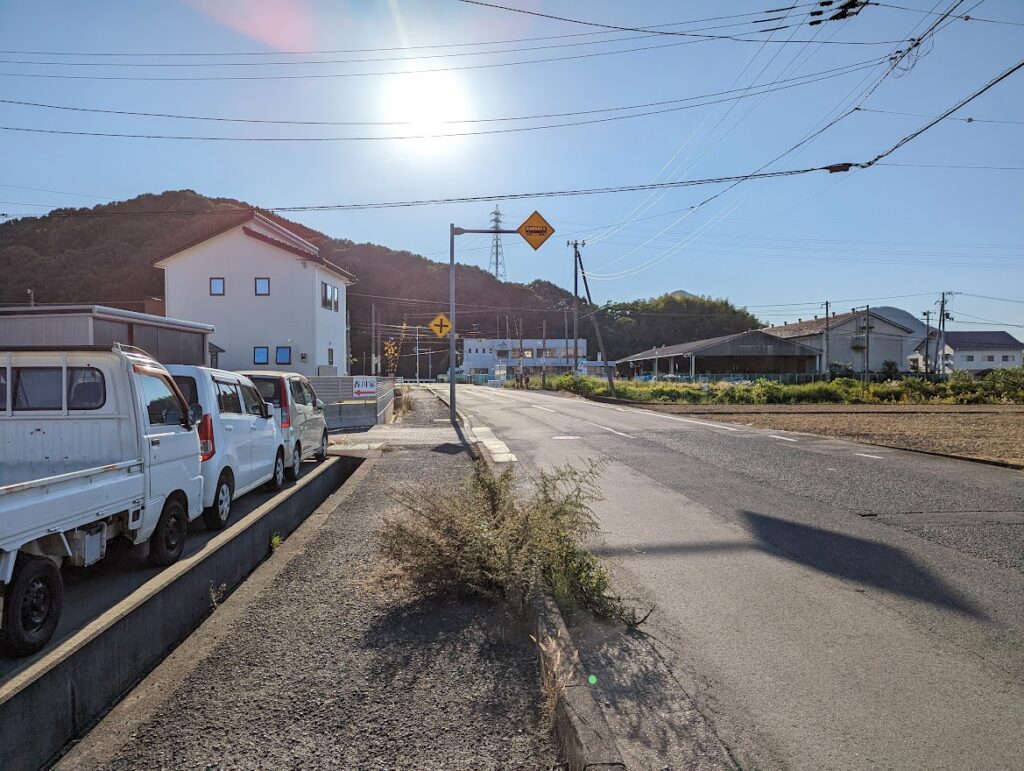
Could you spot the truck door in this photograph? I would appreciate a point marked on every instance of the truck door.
(171, 449)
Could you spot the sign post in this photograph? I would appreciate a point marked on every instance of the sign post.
(535, 230)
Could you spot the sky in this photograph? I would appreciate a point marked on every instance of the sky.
(947, 215)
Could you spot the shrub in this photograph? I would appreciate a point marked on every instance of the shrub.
(768, 392)
(479, 538)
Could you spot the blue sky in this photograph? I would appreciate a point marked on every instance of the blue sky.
(875, 233)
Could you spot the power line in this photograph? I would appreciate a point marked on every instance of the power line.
(922, 115)
(965, 17)
(638, 29)
(375, 50)
(803, 79)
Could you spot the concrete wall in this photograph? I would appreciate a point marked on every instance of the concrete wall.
(888, 342)
(60, 697)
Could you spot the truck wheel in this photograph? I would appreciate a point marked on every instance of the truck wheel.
(277, 481)
(32, 605)
(321, 454)
(292, 472)
(216, 516)
(168, 540)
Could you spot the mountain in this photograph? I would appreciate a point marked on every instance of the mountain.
(105, 255)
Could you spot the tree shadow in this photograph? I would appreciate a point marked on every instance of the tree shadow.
(843, 556)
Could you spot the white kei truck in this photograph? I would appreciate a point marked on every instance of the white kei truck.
(95, 443)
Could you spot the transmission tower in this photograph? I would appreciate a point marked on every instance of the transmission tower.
(497, 263)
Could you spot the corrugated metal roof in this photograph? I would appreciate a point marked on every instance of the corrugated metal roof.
(816, 326)
(696, 346)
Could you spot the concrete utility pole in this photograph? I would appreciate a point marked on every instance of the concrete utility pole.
(373, 338)
(867, 343)
(565, 321)
(417, 353)
(927, 341)
(575, 305)
(31, 297)
(826, 369)
(544, 353)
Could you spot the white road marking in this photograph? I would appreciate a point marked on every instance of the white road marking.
(865, 455)
(567, 436)
(606, 428)
(686, 420)
(538, 407)
(783, 438)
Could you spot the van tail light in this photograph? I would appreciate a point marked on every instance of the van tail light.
(207, 447)
(286, 415)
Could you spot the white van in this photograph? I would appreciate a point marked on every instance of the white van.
(240, 444)
(95, 443)
(299, 413)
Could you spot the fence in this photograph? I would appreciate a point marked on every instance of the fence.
(787, 378)
(344, 409)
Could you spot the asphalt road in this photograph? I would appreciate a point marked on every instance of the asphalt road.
(826, 605)
(91, 591)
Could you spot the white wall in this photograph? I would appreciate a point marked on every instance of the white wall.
(330, 325)
(888, 343)
(959, 359)
(243, 320)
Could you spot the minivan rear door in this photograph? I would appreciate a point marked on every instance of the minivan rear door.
(235, 426)
(263, 432)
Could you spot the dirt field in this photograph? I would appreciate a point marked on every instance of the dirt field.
(983, 432)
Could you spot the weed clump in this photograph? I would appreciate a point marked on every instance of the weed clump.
(479, 537)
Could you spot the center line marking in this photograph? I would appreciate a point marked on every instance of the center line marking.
(783, 438)
(538, 407)
(598, 425)
(865, 455)
(687, 420)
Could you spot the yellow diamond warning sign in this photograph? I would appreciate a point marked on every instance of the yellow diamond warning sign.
(440, 326)
(535, 230)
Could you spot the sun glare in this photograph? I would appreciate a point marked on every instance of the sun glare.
(424, 105)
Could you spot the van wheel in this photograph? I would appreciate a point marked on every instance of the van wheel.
(168, 540)
(32, 604)
(277, 481)
(292, 472)
(321, 454)
(216, 516)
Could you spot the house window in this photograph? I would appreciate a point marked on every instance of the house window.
(330, 357)
(261, 355)
(283, 354)
(335, 296)
(325, 295)
(969, 357)
(217, 286)
(262, 286)
(990, 358)
(1009, 357)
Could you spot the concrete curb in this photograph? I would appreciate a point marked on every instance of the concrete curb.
(585, 739)
(58, 698)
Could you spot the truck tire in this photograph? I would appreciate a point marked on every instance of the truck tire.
(168, 539)
(216, 516)
(276, 482)
(321, 453)
(32, 604)
(295, 466)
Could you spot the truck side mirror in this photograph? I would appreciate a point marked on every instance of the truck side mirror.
(268, 410)
(319, 405)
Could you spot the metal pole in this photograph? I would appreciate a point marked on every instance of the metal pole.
(575, 309)
(544, 353)
(451, 318)
(867, 343)
(827, 306)
(373, 339)
(417, 353)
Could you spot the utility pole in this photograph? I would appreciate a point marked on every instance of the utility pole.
(940, 345)
(31, 297)
(597, 327)
(497, 264)
(349, 358)
(575, 305)
(565, 321)
(544, 353)
(827, 305)
(928, 341)
(867, 343)
(373, 338)
(417, 353)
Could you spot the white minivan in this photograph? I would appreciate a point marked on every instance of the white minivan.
(239, 441)
(299, 414)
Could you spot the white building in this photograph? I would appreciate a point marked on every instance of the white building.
(273, 300)
(861, 339)
(500, 359)
(972, 352)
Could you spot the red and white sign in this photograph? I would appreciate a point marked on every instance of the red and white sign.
(364, 387)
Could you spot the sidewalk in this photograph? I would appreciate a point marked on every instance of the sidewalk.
(306, 667)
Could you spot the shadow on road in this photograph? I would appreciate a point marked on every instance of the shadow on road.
(846, 557)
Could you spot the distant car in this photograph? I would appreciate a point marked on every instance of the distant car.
(300, 416)
(240, 445)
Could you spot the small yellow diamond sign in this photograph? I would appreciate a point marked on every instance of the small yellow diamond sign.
(535, 230)
(440, 326)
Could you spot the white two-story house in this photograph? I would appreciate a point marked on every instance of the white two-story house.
(974, 352)
(274, 302)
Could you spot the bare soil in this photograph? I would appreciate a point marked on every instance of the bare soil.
(991, 433)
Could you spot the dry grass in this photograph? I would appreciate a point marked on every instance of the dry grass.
(557, 671)
(993, 433)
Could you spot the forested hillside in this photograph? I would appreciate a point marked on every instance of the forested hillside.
(105, 255)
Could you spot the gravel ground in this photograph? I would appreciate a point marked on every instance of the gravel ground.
(989, 435)
(325, 670)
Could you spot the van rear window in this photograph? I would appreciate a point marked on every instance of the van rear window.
(188, 388)
(269, 388)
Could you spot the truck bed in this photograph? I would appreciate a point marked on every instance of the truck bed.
(23, 474)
